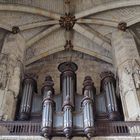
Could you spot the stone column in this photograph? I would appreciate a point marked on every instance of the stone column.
(126, 60)
(11, 61)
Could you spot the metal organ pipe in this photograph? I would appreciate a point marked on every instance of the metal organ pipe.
(67, 109)
(68, 88)
(29, 87)
(48, 106)
(108, 86)
(68, 80)
(89, 92)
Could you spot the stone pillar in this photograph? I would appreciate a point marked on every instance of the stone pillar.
(126, 60)
(11, 61)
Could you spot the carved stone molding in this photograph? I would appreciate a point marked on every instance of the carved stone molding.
(122, 26)
(68, 45)
(15, 29)
(67, 21)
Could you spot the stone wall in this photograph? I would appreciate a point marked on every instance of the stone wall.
(11, 66)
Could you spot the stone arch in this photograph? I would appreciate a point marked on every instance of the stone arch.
(5, 27)
(29, 9)
(107, 6)
(76, 48)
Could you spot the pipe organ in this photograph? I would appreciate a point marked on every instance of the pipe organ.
(48, 106)
(68, 85)
(29, 87)
(67, 116)
(68, 80)
(68, 113)
(108, 87)
(89, 92)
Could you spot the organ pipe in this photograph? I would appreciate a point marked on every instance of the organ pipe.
(48, 106)
(67, 119)
(108, 86)
(68, 88)
(68, 80)
(29, 87)
(89, 92)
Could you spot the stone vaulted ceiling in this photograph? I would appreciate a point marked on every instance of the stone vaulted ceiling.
(41, 23)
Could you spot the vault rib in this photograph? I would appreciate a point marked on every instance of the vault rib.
(92, 35)
(38, 24)
(107, 6)
(29, 9)
(39, 36)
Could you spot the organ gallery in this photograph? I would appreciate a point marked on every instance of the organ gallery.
(69, 69)
(68, 113)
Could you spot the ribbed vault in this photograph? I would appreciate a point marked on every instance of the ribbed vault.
(93, 23)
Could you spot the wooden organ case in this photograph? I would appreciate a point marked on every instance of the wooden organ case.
(69, 114)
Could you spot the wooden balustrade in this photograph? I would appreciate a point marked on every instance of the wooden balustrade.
(117, 129)
(20, 128)
(101, 129)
